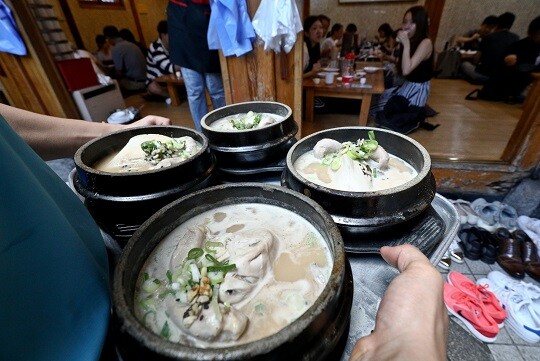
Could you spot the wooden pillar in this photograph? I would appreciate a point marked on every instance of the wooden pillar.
(264, 75)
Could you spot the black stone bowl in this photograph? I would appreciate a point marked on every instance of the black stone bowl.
(369, 210)
(139, 183)
(250, 147)
(313, 336)
(121, 202)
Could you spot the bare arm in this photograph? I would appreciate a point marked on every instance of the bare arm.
(54, 137)
(466, 39)
(423, 52)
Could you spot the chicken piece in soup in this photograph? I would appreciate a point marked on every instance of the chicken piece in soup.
(361, 166)
(232, 275)
(148, 152)
(245, 121)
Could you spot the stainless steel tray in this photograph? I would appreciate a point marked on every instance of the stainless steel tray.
(371, 276)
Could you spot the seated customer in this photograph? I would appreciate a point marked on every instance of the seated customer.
(386, 38)
(129, 61)
(127, 35)
(331, 46)
(489, 58)
(158, 62)
(104, 53)
(349, 44)
(313, 33)
(523, 58)
(471, 40)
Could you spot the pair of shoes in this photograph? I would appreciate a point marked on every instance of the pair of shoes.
(531, 226)
(529, 254)
(494, 215)
(517, 254)
(467, 215)
(528, 290)
(490, 302)
(478, 244)
(446, 261)
(522, 316)
(456, 254)
(471, 312)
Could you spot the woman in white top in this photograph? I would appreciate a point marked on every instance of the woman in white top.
(331, 46)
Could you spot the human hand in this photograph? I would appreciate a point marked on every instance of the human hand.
(316, 67)
(402, 37)
(475, 36)
(510, 60)
(150, 120)
(412, 321)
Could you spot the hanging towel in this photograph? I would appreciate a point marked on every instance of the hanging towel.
(230, 28)
(277, 22)
(10, 39)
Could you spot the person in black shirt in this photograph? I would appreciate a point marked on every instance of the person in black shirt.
(313, 32)
(489, 58)
(523, 58)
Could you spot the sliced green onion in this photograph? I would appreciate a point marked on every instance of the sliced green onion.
(195, 273)
(165, 331)
(151, 285)
(215, 277)
(195, 253)
(223, 268)
(169, 276)
(336, 164)
(213, 260)
(210, 245)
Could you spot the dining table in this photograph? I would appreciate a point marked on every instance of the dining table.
(374, 84)
(173, 82)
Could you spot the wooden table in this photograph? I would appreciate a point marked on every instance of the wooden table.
(339, 90)
(173, 83)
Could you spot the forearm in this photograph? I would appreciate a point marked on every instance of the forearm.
(406, 63)
(53, 137)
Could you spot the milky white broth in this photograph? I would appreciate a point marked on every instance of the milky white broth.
(297, 268)
(131, 158)
(350, 177)
(225, 124)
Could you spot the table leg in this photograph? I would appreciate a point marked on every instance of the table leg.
(173, 94)
(364, 109)
(310, 104)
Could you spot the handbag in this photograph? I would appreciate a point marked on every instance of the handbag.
(448, 63)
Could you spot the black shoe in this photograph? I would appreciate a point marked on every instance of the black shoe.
(489, 247)
(471, 243)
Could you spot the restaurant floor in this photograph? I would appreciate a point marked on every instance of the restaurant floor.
(462, 346)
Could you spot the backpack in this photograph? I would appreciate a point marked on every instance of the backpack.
(398, 115)
(448, 63)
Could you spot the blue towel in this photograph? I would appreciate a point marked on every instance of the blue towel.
(230, 28)
(10, 39)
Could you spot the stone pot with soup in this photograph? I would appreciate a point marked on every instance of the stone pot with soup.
(250, 133)
(364, 177)
(234, 272)
(128, 175)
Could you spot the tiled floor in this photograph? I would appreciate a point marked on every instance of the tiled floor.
(508, 346)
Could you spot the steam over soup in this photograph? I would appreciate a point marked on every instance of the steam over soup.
(363, 166)
(245, 121)
(232, 275)
(147, 152)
